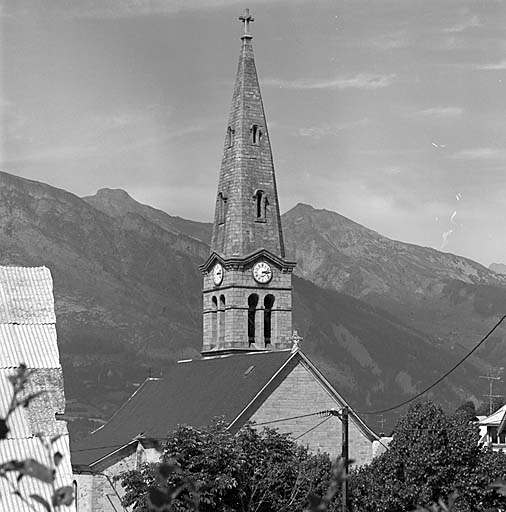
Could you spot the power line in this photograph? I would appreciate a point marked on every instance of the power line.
(317, 413)
(99, 448)
(329, 413)
(312, 428)
(291, 418)
(440, 379)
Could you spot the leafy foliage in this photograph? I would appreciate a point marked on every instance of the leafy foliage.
(211, 469)
(31, 467)
(431, 456)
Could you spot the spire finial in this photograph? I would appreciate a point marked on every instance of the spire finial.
(246, 18)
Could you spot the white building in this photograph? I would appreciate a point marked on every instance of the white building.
(493, 429)
(28, 336)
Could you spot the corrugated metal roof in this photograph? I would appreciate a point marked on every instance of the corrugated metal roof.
(18, 421)
(34, 345)
(27, 335)
(26, 295)
(495, 418)
(20, 449)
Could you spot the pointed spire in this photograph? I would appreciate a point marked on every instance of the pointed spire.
(247, 215)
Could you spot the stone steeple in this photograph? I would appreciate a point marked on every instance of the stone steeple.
(247, 212)
(247, 291)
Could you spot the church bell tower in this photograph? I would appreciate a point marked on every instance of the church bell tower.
(247, 291)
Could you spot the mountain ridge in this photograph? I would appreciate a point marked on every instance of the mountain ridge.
(128, 301)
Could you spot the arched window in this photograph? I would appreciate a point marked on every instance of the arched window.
(214, 325)
(252, 308)
(260, 205)
(221, 320)
(256, 134)
(222, 208)
(230, 137)
(268, 303)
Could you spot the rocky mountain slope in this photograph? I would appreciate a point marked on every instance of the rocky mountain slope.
(128, 299)
(453, 299)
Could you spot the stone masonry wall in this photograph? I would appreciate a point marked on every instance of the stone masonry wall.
(99, 492)
(300, 393)
(42, 409)
(237, 286)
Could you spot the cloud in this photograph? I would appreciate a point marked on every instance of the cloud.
(440, 112)
(390, 41)
(325, 130)
(367, 81)
(121, 8)
(470, 22)
(493, 66)
(480, 154)
(98, 135)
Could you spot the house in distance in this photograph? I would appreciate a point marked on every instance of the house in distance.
(252, 369)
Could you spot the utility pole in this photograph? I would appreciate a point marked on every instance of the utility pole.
(344, 455)
(491, 380)
(343, 415)
(382, 422)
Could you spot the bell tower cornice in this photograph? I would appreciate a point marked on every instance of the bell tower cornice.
(241, 263)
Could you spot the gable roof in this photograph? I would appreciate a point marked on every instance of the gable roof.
(495, 418)
(191, 393)
(194, 393)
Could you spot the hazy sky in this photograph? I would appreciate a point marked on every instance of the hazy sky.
(392, 113)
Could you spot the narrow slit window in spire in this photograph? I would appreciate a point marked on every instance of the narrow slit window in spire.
(261, 203)
(222, 208)
(230, 137)
(256, 134)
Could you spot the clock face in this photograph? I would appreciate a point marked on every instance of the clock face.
(262, 272)
(217, 274)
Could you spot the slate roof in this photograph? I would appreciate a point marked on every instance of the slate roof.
(191, 393)
(194, 393)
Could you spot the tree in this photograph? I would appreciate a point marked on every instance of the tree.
(431, 456)
(252, 471)
(468, 409)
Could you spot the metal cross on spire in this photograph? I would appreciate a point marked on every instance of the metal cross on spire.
(246, 18)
